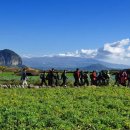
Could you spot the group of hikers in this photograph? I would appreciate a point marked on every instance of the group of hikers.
(81, 78)
(85, 78)
(52, 78)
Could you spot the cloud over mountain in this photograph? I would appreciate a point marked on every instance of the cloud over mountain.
(115, 52)
(88, 53)
(118, 51)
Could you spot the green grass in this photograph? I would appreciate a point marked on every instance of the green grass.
(8, 76)
(104, 108)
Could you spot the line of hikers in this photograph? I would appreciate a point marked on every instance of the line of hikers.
(81, 78)
(53, 78)
(94, 78)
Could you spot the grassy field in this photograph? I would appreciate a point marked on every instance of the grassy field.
(13, 79)
(90, 108)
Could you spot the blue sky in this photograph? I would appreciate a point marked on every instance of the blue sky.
(44, 27)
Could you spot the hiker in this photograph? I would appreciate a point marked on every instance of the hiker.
(86, 79)
(24, 78)
(93, 78)
(123, 78)
(77, 77)
(51, 78)
(43, 78)
(81, 78)
(107, 78)
(48, 78)
(99, 79)
(103, 77)
(64, 78)
(117, 78)
(57, 78)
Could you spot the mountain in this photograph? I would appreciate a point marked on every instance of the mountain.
(98, 67)
(57, 62)
(9, 58)
(60, 62)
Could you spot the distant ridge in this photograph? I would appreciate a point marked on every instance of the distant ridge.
(60, 62)
(98, 67)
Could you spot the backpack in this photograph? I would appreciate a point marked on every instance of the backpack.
(94, 75)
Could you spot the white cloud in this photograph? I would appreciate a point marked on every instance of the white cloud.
(120, 43)
(117, 47)
(88, 53)
(128, 48)
(128, 55)
(70, 54)
(27, 56)
(115, 52)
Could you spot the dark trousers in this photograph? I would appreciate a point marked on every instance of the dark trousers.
(43, 82)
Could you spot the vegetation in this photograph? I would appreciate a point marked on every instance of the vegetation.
(13, 78)
(59, 108)
(90, 108)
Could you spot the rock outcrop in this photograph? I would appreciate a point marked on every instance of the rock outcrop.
(9, 58)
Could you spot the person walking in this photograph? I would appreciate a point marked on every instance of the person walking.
(51, 78)
(24, 78)
(93, 77)
(57, 78)
(81, 78)
(64, 78)
(86, 78)
(77, 77)
(43, 78)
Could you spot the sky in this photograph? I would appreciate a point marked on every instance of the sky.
(89, 28)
